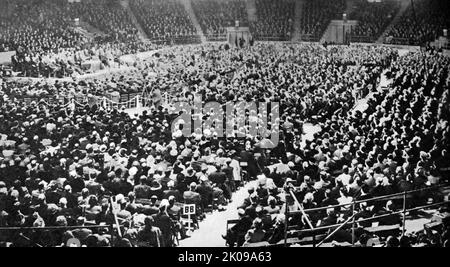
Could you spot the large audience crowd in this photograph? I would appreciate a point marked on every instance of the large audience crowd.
(398, 144)
(275, 19)
(108, 16)
(34, 27)
(215, 16)
(162, 19)
(373, 18)
(87, 165)
(423, 21)
(317, 14)
(110, 178)
(48, 41)
(76, 61)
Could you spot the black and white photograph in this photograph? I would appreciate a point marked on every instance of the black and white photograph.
(238, 125)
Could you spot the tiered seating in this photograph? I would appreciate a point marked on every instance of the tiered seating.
(275, 19)
(343, 168)
(316, 16)
(35, 26)
(47, 24)
(422, 22)
(106, 15)
(164, 19)
(47, 43)
(215, 15)
(373, 19)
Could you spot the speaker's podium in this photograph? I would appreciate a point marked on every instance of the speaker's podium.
(238, 36)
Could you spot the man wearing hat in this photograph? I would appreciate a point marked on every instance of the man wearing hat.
(174, 212)
(163, 222)
(247, 202)
(190, 176)
(81, 233)
(251, 210)
(205, 191)
(152, 208)
(228, 170)
(69, 196)
(166, 178)
(203, 172)
(172, 192)
(156, 189)
(236, 234)
(191, 196)
(133, 157)
(142, 190)
(53, 194)
(278, 232)
(150, 235)
(219, 178)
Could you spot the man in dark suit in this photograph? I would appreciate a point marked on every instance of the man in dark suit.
(150, 235)
(142, 190)
(81, 233)
(152, 208)
(192, 197)
(251, 210)
(171, 191)
(228, 170)
(219, 178)
(251, 167)
(174, 211)
(53, 195)
(247, 201)
(236, 234)
(206, 192)
(164, 223)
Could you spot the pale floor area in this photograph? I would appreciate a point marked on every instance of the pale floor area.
(214, 225)
(211, 229)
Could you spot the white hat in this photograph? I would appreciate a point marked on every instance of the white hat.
(133, 171)
(280, 218)
(173, 152)
(164, 203)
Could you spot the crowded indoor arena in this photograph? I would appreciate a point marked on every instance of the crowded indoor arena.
(224, 123)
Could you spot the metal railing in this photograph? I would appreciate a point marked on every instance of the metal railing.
(388, 197)
(402, 212)
(309, 38)
(216, 37)
(361, 39)
(273, 38)
(404, 196)
(401, 41)
(182, 39)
